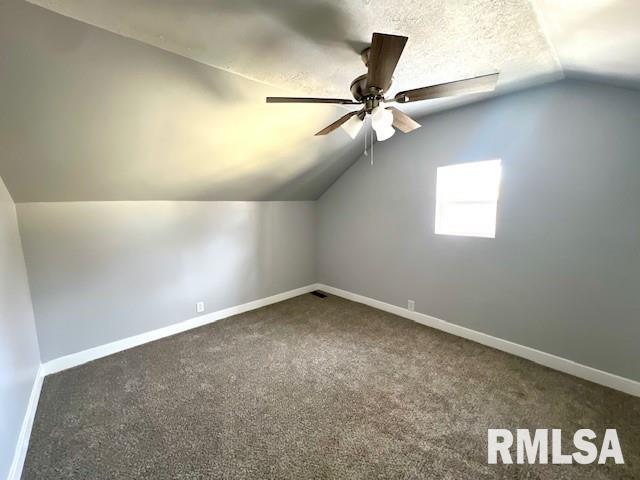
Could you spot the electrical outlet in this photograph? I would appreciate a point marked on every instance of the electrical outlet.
(199, 307)
(411, 306)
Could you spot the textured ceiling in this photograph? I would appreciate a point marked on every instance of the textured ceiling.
(117, 119)
(311, 47)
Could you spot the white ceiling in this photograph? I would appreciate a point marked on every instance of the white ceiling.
(596, 37)
(275, 47)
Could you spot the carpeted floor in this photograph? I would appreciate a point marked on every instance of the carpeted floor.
(313, 388)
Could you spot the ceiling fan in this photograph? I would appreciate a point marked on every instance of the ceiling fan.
(369, 91)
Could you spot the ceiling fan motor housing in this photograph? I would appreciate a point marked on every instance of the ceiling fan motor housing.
(369, 96)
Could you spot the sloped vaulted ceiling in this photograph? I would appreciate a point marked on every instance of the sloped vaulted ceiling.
(89, 115)
(102, 114)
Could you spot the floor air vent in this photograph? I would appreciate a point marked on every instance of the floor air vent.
(318, 293)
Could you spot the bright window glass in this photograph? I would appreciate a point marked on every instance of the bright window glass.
(467, 199)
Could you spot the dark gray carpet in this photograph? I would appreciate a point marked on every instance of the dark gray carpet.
(313, 388)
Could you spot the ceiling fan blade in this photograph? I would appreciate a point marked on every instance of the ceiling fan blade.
(342, 101)
(402, 121)
(337, 123)
(484, 83)
(383, 58)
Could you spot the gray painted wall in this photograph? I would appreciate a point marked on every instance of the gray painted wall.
(19, 356)
(563, 273)
(103, 271)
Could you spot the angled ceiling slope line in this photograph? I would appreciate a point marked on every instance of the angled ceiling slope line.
(117, 119)
(596, 39)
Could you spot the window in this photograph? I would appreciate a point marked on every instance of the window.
(467, 199)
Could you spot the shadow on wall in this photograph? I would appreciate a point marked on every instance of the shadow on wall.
(318, 22)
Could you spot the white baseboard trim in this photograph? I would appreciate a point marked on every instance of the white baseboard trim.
(601, 377)
(20, 453)
(75, 359)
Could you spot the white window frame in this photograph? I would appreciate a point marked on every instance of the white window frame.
(452, 191)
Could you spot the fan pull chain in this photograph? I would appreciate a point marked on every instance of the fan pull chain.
(366, 154)
(372, 147)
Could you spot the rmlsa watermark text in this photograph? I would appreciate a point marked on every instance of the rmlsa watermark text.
(536, 448)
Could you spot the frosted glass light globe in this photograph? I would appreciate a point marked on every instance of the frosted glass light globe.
(382, 120)
(383, 134)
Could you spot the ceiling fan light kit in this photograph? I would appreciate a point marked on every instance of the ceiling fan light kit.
(369, 90)
(383, 134)
(382, 122)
